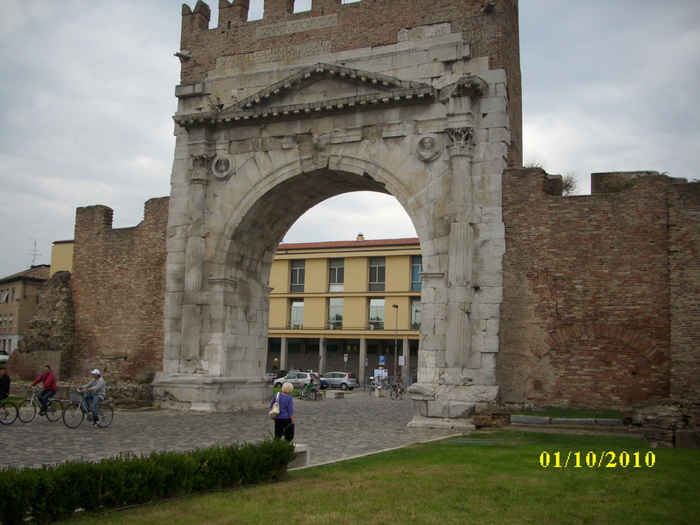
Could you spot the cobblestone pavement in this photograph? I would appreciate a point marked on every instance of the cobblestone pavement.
(334, 429)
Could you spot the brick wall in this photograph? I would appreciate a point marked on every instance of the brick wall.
(586, 315)
(684, 261)
(118, 289)
(342, 27)
(49, 337)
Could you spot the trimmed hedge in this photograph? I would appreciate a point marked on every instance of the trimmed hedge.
(50, 493)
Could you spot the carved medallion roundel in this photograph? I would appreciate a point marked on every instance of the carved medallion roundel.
(223, 167)
(429, 147)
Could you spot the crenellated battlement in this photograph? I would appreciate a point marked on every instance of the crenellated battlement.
(235, 12)
(335, 33)
(341, 27)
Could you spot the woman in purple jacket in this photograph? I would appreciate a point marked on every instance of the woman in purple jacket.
(284, 422)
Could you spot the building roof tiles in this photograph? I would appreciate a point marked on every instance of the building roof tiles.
(35, 273)
(348, 244)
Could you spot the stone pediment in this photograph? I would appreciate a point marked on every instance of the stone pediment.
(333, 80)
(318, 90)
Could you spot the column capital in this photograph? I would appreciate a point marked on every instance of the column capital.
(461, 141)
(199, 169)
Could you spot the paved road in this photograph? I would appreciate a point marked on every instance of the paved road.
(334, 429)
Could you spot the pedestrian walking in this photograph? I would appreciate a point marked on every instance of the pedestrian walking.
(284, 422)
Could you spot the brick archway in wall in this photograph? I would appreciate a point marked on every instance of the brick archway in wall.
(260, 141)
(614, 365)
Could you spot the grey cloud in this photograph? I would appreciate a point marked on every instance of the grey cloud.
(87, 104)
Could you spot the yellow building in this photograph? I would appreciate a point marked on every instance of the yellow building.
(19, 298)
(346, 306)
(62, 256)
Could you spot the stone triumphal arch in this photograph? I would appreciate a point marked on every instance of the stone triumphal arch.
(291, 112)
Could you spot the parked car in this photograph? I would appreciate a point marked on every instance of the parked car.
(324, 381)
(275, 374)
(297, 379)
(4, 356)
(342, 380)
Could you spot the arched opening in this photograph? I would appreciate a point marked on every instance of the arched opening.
(249, 261)
(225, 322)
(255, 238)
(327, 313)
(343, 217)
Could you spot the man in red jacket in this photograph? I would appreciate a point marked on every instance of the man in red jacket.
(50, 387)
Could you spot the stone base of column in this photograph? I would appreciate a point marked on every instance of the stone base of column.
(448, 406)
(460, 425)
(207, 393)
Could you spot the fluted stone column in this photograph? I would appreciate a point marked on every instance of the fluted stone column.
(194, 267)
(459, 278)
(442, 396)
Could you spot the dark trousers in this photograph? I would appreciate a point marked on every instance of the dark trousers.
(44, 398)
(280, 425)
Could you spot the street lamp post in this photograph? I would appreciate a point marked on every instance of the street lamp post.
(396, 335)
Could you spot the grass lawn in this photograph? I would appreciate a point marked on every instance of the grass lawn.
(483, 478)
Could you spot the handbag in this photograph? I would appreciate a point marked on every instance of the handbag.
(289, 432)
(275, 410)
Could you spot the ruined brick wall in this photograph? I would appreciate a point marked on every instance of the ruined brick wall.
(586, 313)
(49, 336)
(684, 257)
(332, 27)
(118, 289)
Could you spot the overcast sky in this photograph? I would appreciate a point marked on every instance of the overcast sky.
(87, 98)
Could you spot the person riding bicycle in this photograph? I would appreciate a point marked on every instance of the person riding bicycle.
(5, 382)
(399, 381)
(50, 387)
(96, 390)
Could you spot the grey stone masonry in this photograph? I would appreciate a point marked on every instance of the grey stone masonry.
(258, 144)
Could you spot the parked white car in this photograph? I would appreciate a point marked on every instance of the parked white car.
(298, 379)
(342, 380)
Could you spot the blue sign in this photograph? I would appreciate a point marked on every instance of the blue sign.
(382, 359)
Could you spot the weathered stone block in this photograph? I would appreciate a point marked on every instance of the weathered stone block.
(609, 422)
(573, 421)
(687, 439)
(530, 420)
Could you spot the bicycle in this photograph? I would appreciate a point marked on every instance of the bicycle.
(372, 386)
(78, 410)
(378, 385)
(27, 408)
(397, 391)
(8, 412)
(310, 393)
